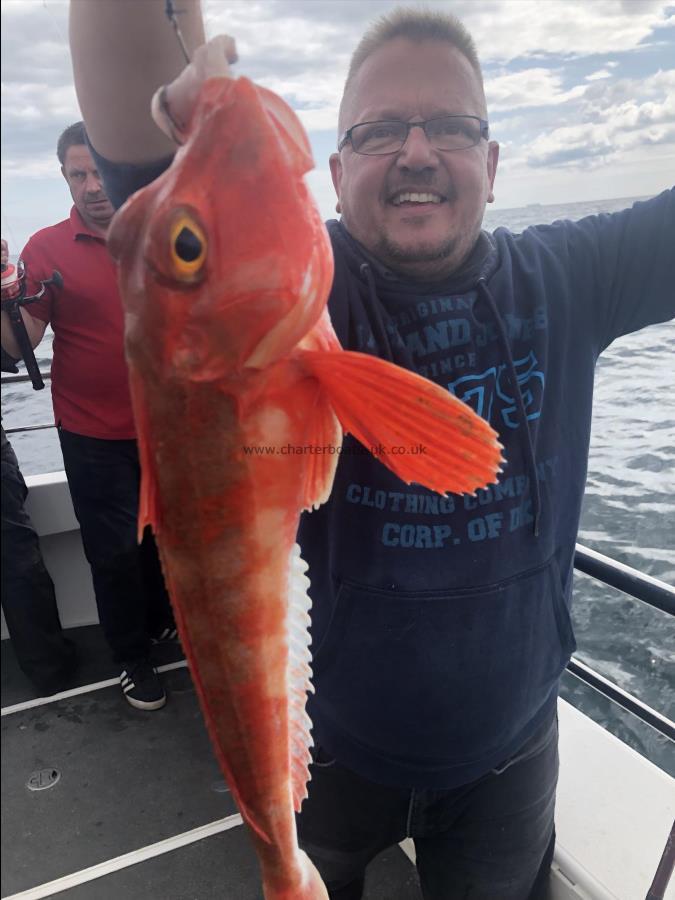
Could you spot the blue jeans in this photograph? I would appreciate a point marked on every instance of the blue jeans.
(492, 839)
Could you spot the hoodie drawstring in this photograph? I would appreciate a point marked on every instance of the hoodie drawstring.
(375, 317)
(522, 415)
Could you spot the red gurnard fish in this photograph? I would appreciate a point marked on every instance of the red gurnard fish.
(225, 268)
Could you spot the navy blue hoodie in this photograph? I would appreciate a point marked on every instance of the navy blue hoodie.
(441, 626)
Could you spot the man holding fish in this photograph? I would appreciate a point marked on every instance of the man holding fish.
(440, 608)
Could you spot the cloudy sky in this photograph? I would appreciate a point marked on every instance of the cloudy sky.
(581, 93)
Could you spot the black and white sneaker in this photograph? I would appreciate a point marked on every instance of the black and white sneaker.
(170, 633)
(141, 685)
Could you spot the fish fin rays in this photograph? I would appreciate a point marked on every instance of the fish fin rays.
(324, 436)
(427, 435)
(299, 676)
(148, 504)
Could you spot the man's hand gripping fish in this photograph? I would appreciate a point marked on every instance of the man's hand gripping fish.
(225, 268)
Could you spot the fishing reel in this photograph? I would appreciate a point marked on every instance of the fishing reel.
(13, 298)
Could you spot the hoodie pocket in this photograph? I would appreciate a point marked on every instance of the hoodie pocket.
(436, 676)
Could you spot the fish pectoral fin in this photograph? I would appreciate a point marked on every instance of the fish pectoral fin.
(420, 431)
(148, 504)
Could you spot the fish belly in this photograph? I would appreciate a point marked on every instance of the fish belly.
(237, 583)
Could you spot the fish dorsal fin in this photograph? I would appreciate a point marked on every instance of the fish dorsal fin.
(296, 144)
(299, 676)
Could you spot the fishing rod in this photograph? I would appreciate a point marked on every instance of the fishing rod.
(13, 298)
(171, 13)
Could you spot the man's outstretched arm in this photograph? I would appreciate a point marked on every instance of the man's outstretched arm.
(122, 51)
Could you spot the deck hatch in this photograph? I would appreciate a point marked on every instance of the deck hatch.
(43, 779)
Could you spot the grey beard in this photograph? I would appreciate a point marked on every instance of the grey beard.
(387, 250)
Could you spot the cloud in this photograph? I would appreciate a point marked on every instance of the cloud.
(524, 29)
(586, 68)
(617, 129)
(503, 31)
(325, 32)
(601, 73)
(530, 87)
(38, 102)
(39, 166)
(38, 96)
(602, 95)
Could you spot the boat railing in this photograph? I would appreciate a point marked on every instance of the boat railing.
(642, 587)
(18, 379)
(609, 571)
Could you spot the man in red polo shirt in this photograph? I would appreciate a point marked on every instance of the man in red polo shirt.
(93, 413)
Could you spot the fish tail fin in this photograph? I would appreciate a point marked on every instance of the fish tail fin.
(307, 886)
(419, 430)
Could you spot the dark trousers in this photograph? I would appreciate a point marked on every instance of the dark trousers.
(492, 839)
(28, 598)
(104, 481)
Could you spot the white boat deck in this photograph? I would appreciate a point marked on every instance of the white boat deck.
(614, 814)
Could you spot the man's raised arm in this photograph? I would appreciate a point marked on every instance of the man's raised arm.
(122, 51)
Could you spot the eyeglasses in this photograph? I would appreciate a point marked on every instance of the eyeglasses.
(389, 136)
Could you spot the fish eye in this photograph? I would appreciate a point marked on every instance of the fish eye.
(188, 247)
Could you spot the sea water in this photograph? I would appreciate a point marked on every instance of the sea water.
(628, 511)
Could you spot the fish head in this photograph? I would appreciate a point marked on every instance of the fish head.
(224, 263)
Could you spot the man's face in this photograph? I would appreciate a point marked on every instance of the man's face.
(414, 82)
(86, 188)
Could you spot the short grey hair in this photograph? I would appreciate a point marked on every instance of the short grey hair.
(415, 24)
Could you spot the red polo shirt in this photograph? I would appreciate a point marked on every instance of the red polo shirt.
(90, 390)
